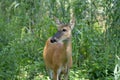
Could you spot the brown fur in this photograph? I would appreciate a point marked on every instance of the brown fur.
(56, 54)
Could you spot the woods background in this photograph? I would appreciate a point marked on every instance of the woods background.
(25, 25)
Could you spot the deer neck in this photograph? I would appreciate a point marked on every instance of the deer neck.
(67, 43)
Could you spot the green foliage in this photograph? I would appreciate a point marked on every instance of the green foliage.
(25, 25)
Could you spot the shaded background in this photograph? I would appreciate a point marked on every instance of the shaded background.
(25, 25)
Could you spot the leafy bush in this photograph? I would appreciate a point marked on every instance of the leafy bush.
(25, 25)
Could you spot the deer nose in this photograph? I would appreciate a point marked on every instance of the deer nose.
(53, 40)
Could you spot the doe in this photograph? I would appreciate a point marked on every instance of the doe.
(57, 52)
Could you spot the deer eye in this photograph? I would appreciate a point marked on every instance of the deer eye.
(64, 30)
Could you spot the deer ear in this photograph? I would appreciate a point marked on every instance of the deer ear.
(72, 22)
(58, 22)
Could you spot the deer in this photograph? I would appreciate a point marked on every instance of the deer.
(57, 53)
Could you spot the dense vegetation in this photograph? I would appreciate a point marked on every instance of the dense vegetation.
(25, 25)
